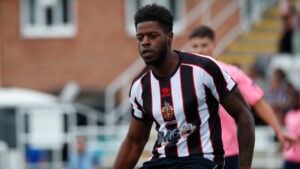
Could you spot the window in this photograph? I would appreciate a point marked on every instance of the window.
(177, 7)
(48, 18)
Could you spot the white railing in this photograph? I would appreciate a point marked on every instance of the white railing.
(3, 155)
(37, 117)
(121, 85)
(266, 150)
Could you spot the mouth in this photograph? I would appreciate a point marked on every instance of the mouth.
(147, 53)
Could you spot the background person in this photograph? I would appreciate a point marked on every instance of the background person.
(292, 123)
(82, 158)
(201, 41)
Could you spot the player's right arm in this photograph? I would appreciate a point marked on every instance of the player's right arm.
(238, 108)
(133, 145)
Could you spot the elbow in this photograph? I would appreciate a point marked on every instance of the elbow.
(246, 120)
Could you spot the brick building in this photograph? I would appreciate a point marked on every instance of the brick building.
(46, 43)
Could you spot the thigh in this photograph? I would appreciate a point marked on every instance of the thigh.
(231, 162)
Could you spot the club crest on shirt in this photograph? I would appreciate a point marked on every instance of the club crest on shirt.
(167, 111)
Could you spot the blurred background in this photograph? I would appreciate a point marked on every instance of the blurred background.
(66, 68)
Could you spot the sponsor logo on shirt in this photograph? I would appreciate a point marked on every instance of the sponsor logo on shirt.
(172, 136)
(165, 92)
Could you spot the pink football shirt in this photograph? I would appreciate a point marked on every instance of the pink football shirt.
(251, 92)
(292, 123)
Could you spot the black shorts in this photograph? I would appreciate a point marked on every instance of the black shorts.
(231, 162)
(193, 162)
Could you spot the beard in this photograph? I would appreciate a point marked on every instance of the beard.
(162, 54)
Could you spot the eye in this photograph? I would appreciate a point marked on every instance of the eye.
(153, 36)
(194, 46)
(139, 37)
(204, 45)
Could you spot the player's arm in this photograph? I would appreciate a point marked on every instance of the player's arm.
(133, 145)
(237, 107)
(265, 111)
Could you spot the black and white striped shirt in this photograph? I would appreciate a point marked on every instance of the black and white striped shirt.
(184, 106)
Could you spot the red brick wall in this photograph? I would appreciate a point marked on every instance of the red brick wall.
(99, 52)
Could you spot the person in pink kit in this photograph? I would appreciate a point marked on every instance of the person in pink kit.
(292, 123)
(202, 42)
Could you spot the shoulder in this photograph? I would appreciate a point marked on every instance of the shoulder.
(145, 71)
(196, 59)
(206, 63)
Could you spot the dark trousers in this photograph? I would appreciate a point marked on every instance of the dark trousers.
(231, 162)
(291, 165)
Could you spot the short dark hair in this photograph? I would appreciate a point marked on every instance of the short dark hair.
(202, 32)
(157, 13)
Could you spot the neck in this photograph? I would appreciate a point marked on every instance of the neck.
(168, 66)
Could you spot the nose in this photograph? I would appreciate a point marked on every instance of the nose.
(145, 41)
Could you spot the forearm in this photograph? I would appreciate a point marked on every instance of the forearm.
(246, 141)
(129, 154)
(266, 113)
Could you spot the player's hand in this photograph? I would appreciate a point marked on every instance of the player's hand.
(286, 140)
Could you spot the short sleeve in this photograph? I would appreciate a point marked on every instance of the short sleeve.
(135, 98)
(221, 84)
(251, 92)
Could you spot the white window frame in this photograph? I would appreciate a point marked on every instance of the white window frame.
(178, 25)
(41, 29)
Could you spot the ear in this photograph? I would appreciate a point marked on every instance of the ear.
(170, 37)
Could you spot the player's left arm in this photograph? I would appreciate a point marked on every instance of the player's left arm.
(265, 111)
(238, 108)
(229, 95)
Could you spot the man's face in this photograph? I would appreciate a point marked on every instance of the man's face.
(152, 42)
(203, 46)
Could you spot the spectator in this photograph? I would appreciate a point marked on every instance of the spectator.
(255, 73)
(290, 21)
(81, 158)
(276, 93)
(292, 123)
(35, 158)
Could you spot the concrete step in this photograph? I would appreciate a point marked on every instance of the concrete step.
(273, 12)
(270, 23)
(238, 59)
(260, 41)
(256, 35)
(256, 47)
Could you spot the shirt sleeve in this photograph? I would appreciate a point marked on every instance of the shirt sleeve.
(135, 98)
(221, 83)
(251, 92)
